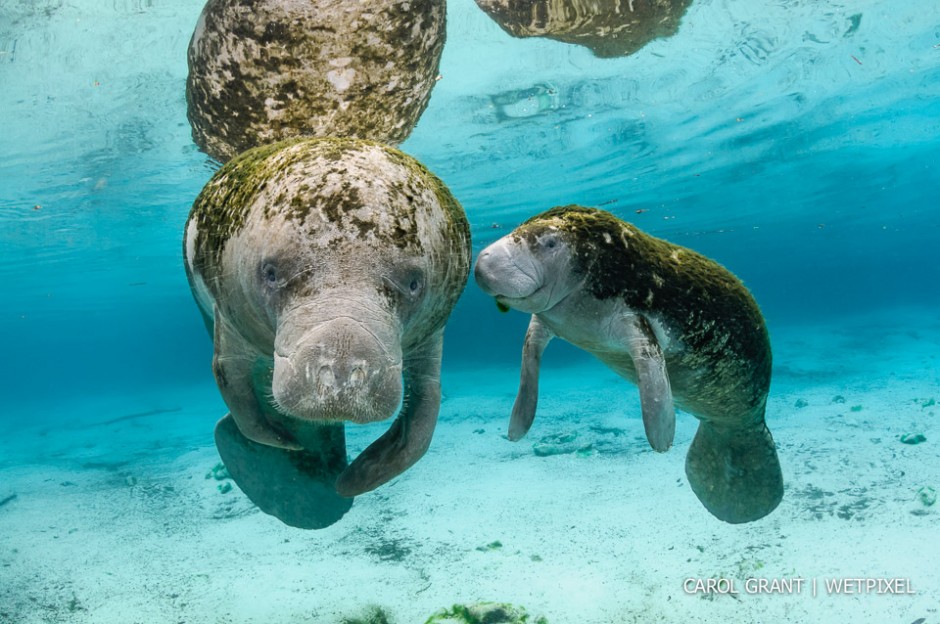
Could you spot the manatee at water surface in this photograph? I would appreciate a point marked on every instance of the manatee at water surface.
(268, 70)
(609, 28)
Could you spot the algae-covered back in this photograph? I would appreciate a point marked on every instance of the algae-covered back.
(316, 202)
(332, 185)
(652, 275)
(221, 207)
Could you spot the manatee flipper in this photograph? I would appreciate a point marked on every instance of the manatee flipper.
(234, 373)
(409, 437)
(659, 414)
(294, 486)
(735, 473)
(523, 410)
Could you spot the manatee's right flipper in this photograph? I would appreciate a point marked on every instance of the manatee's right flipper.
(233, 366)
(735, 473)
(294, 486)
(523, 410)
(659, 414)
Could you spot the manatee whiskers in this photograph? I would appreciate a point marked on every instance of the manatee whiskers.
(272, 400)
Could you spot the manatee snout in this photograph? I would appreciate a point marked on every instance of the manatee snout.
(504, 270)
(342, 370)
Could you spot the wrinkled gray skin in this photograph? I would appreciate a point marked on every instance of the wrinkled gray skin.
(269, 70)
(677, 324)
(326, 269)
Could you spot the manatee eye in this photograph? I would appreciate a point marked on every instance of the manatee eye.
(269, 273)
(415, 285)
(550, 241)
(409, 283)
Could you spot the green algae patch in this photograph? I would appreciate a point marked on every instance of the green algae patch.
(373, 614)
(222, 207)
(495, 545)
(219, 472)
(927, 496)
(485, 613)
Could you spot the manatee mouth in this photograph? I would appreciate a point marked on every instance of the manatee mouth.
(327, 391)
(509, 291)
(507, 302)
(338, 410)
(347, 367)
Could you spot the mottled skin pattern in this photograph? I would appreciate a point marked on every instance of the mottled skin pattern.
(326, 270)
(609, 28)
(261, 71)
(675, 322)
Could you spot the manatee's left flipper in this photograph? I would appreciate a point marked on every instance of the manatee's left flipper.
(659, 414)
(409, 437)
(537, 338)
(294, 486)
(233, 365)
(735, 471)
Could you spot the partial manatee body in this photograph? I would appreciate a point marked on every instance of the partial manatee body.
(677, 324)
(609, 28)
(268, 70)
(325, 270)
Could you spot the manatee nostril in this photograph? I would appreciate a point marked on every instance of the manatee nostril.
(357, 376)
(325, 378)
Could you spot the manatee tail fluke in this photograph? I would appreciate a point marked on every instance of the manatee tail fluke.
(294, 486)
(736, 473)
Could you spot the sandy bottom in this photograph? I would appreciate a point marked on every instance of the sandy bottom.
(107, 514)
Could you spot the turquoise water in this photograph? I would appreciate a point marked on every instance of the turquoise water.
(823, 198)
(797, 143)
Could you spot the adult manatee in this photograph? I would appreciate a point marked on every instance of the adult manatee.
(325, 270)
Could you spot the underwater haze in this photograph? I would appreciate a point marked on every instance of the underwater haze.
(796, 142)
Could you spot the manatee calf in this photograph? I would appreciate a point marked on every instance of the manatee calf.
(268, 70)
(325, 270)
(609, 28)
(677, 324)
